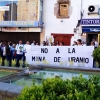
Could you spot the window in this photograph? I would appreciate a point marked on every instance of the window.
(63, 10)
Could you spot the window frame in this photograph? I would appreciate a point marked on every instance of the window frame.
(62, 9)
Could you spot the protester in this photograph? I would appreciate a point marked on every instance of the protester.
(83, 43)
(8, 53)
(33, 44)
(3, 54)
(75, 43)
(19, 52)
(79, 42)
(11, 51)
(96, 43)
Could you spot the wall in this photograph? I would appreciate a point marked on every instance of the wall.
(27, 10)
(54, 25)
(86, 3)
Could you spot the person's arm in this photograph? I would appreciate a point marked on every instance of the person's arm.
(16, 47)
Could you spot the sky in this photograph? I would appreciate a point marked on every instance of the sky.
(5, 2)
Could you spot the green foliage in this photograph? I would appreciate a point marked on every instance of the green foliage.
(78, 88)
(6, 63)
(13, 63)
(96, 54)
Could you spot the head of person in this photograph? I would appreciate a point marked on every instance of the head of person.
(57, 42)
(94, 39)
(20, 42)
(46, 43)
(28, 42)
(92, 43)
(61, 44)
(75, 43)
(37, 44)
(79, 42)
(14, 45)
(10, 44)
(83, 42)
(33, 41)
(52, 44)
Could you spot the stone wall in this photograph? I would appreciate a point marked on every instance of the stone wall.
(1, 15)
(9, 91)
(27, 10)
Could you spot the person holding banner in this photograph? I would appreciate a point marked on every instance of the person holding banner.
(79, 42)
(25, 51)
(75, 43)
(96, 43)
(19, 52)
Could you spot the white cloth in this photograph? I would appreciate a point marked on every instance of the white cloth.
(96, 44)
(19, 48)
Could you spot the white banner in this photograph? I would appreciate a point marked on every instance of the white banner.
(64, 56)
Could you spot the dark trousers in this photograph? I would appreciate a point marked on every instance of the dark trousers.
(9, 59)
(18, 58)
(3, 60)
(94, 65)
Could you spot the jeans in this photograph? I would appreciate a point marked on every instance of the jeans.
(3, 60)
(18, 58)
(9, 59)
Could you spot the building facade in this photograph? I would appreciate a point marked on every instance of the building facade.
(60, 19)
(22, 20)
(90, 22)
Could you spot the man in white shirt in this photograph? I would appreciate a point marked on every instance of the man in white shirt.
(96, 43)
(19, 52)
(33, 44)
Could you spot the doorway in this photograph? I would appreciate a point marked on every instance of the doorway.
(90, 37)
(65, 38)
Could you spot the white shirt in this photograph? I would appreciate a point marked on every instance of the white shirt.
(79, 45)
(96, 44)
(4, 51)
(84, 44)
(32, 44)
(19, 48)
(25, 47)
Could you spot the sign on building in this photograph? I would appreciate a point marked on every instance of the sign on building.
(85, 22)
(20, 13)
(64, 56)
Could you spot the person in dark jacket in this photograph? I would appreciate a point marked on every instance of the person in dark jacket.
(8, 54)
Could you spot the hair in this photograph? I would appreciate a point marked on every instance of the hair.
(75, 42)
(93, 43)
(10, 44)
(79, 40)
(94, 38)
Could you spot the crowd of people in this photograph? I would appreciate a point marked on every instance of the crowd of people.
(11, 51)
(79, 42)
